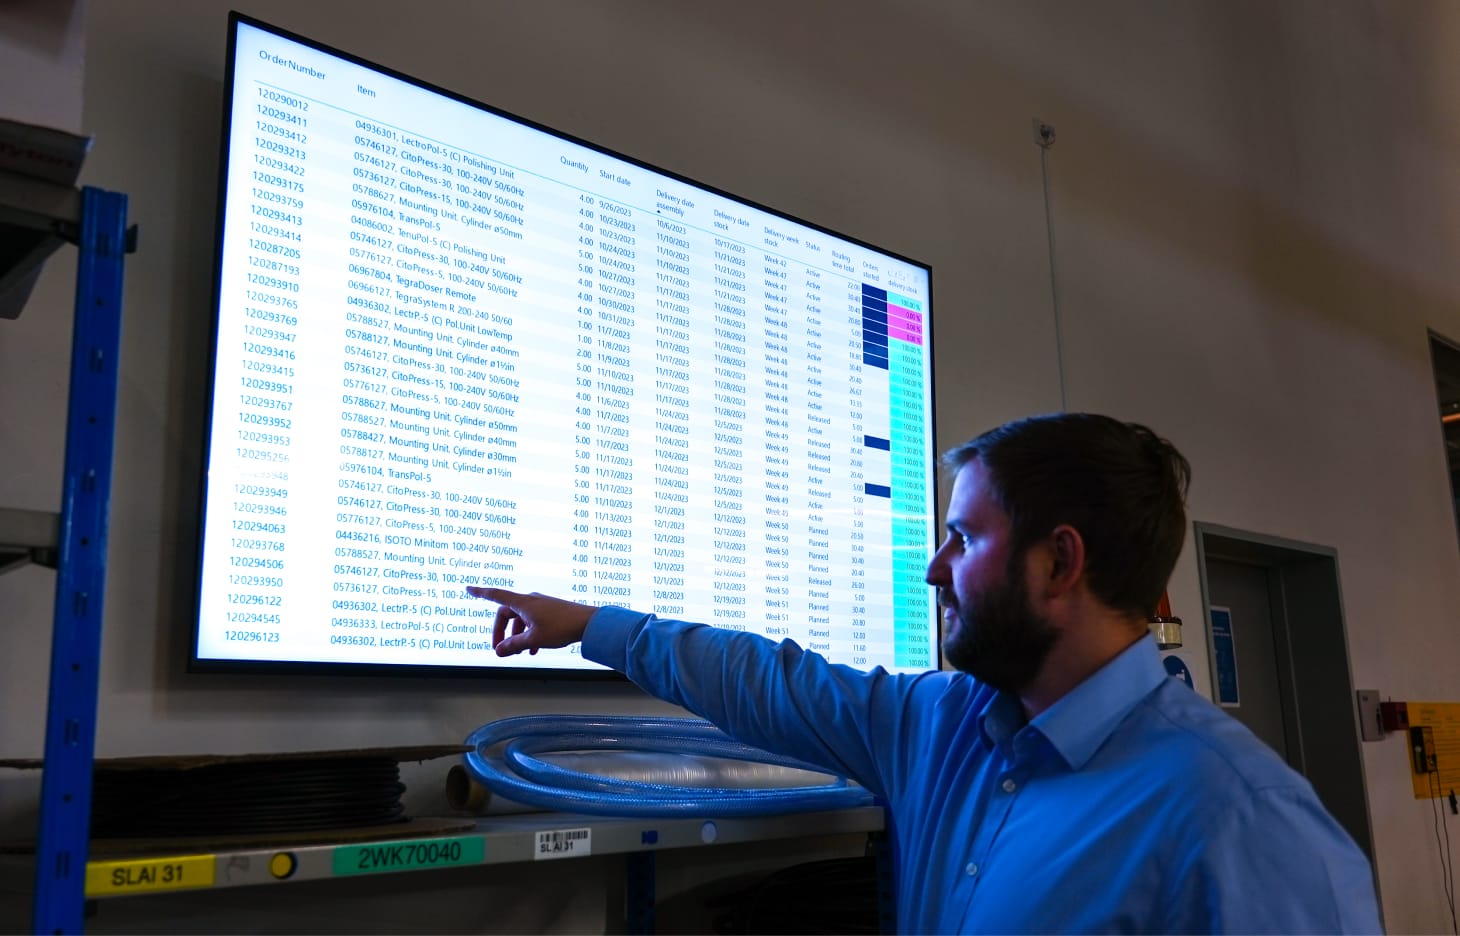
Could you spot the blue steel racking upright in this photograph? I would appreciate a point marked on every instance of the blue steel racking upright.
(101, 235)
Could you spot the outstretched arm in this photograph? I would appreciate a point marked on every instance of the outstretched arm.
(768, 694)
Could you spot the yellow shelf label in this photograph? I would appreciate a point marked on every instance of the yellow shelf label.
(143, 875)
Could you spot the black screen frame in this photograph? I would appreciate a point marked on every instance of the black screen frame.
(196, 664)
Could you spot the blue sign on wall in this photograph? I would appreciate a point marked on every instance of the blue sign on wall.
(1224, 657)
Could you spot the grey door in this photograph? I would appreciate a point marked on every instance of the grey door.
(1243, 589)
(1294, 685)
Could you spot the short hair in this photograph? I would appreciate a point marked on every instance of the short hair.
(1119, 484)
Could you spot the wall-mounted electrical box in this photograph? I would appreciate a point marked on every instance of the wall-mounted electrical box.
(1371, 723)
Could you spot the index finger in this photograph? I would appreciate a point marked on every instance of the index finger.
(500, 621)
(500, 595)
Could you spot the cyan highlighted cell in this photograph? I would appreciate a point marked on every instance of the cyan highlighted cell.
(896, 299)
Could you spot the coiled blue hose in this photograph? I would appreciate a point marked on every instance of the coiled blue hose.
(538, 783)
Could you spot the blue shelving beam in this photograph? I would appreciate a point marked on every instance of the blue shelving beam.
(65, 813)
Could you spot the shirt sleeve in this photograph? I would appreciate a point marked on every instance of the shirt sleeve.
(772, 695)
(1272, 861)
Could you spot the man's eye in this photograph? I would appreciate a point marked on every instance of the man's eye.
(965, 540)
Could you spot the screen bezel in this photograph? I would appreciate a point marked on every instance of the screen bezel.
(320, 668)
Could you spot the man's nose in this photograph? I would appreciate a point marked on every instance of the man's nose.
(937, 573)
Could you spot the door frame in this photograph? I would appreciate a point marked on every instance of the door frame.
(1306, 595)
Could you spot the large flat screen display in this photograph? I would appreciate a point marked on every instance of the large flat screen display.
(454, 347)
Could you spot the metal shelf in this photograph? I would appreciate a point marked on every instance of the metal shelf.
(36, 218)
(496, 840)
(28, 536)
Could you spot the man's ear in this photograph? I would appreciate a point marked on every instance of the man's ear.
(1065, 548)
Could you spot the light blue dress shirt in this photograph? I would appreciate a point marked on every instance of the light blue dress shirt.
(1131, 805)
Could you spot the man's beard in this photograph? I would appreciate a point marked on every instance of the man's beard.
(1000, 640)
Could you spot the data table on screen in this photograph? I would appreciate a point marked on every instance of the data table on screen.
(455, 350)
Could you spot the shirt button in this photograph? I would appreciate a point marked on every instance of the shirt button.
(1009, 785)
(972, 869)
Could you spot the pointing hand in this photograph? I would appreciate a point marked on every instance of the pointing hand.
(533, 622)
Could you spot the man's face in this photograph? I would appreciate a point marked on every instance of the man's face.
(990, 629)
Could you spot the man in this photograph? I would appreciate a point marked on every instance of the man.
(1060, 782)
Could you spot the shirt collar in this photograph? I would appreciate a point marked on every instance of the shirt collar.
(1080, 722)
(1000, 720)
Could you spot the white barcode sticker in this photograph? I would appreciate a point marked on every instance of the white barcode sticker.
(563, 843)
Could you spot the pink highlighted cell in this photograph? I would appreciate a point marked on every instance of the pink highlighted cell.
(915, 328)
(911, 337)
(900, 314)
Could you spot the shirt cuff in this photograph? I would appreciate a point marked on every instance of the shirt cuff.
(606, 639)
